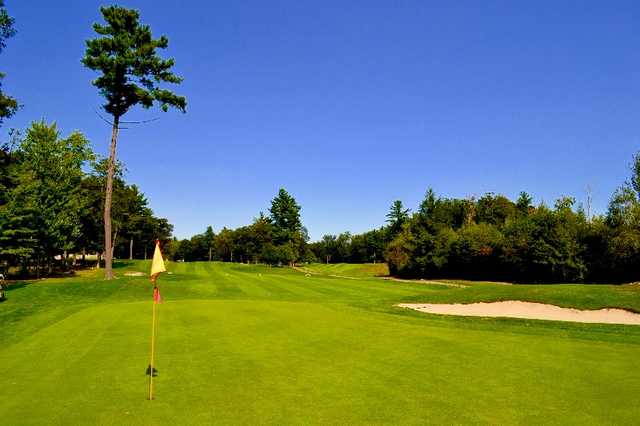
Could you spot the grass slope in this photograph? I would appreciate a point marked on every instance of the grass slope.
(360, 270)
(251, 344)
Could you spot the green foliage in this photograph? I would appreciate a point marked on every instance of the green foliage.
(285, 217)
(49, 205)
(397, 216)
(16, 217)
(309, 257)
(281, 254)
(492, 238)
(125, 55)
(289, 236)
(224, 245)
(348, 248)
(8, 104)
(51, 173)
(131, 74)
(494, 209)
(524, 203)
(277, 239)
(6, 26)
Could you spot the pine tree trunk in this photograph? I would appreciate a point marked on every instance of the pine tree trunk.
(114, 242)
(209, 254)
(108, 253)
(131, 249)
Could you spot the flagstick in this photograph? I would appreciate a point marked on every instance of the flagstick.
(153, 344)
(157, 266)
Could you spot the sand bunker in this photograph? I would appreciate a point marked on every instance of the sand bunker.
(528, 310)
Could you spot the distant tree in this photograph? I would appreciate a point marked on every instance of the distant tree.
(225, 245)
(344, 247)
(125, 55)
(398, 252)
(281, 254)
(8, 105)
(209, 240)
(477, 251)
(397, 216)
(428, 205)
(635, 174)
(285, 217)
(328, 246)
(309, 256)
(494, 209)
(623, 208)
(623, 229)
(287, 226)
(261, 231)
(523, 204)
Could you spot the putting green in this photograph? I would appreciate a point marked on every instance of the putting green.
(241, 344)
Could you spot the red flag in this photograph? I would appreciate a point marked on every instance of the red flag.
(156, 295)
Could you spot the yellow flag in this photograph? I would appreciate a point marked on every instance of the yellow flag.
(157, 266)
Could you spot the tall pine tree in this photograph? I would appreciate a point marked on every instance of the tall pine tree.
(131, 71)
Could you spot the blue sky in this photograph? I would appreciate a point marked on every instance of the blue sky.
(350, 105)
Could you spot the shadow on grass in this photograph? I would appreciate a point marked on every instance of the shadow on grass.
(122, 264)
(148, 372)
(15, 285)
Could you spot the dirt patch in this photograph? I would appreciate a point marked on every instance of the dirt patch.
(528, 310)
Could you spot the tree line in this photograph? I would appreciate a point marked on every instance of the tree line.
(494, 238)
(278, 238)
(490, 238)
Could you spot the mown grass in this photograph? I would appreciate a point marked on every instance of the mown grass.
(361, 270)
(252, 344)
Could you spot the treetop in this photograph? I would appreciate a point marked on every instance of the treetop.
(131, 69)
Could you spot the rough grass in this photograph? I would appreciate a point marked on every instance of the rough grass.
(251, 344)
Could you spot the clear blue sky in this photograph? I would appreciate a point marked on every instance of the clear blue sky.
(350, 105)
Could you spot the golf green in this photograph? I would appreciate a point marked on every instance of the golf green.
(252, 344)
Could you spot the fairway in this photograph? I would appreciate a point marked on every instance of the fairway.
(253, 344)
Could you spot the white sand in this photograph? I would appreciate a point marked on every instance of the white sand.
(529, 310)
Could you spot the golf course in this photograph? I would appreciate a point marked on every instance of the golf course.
(319, 213)
(248, 344)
